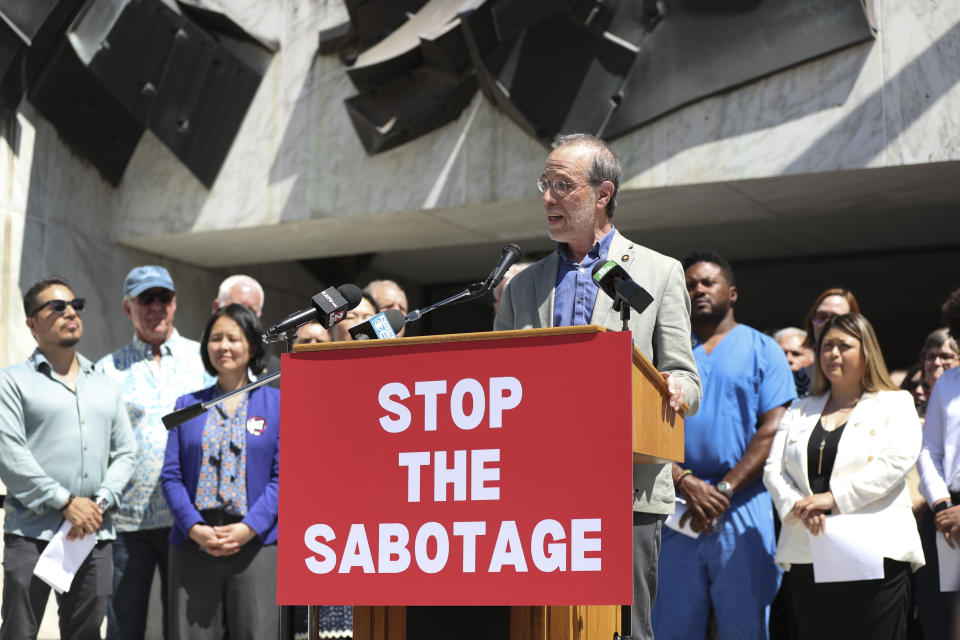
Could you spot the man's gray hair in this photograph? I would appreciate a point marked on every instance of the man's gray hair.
(937, 339)
(605, 165)
(238, 280)
(373, 285)
(790, 331)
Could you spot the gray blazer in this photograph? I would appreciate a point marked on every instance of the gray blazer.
(661, 332)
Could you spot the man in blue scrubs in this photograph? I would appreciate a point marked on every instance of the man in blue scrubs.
(747, 384)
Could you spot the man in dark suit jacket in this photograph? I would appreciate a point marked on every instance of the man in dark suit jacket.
(579, 185)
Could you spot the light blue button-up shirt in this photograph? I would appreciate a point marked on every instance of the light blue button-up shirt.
(55, 441)
(150, 391)
(575, 294)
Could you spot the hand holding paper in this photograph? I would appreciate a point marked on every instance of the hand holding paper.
(84, 515)
(59, 562)
(842, 551)
(674, 520)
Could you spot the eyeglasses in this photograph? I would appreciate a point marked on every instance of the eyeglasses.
(147, 297)
(59, 306)
(945, 358)
(559, 187)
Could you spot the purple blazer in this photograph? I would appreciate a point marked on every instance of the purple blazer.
(181, 465)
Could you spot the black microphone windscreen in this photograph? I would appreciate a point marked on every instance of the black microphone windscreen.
(508, 256)
(351, 293)
(606, 274)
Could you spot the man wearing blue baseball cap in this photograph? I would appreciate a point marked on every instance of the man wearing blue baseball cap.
(153, 370)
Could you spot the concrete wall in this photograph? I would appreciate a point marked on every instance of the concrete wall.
(885, 103)
(298, 184)
(57, 218)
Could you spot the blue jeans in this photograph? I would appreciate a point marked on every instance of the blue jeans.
(136, 554)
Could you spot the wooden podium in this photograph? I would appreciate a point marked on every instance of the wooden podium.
(657, 437)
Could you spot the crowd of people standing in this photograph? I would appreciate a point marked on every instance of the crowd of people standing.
(83, 443)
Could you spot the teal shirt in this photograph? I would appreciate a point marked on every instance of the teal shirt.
(55, 441)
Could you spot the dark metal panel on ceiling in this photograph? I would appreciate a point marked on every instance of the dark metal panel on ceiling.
(607, 67)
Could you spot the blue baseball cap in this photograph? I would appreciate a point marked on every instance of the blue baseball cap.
(146, 277)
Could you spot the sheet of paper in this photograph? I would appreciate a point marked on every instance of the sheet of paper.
(844, 552)
(60, 560)
(673, 520)
(949, 561)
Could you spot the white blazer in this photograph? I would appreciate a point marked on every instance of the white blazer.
(878, 447)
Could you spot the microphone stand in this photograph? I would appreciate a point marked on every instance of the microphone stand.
(177, 418)
(475, 290)
(621, 305)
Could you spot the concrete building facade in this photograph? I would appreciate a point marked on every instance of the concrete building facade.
(841, 170)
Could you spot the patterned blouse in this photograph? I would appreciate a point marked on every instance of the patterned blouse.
(222, 483)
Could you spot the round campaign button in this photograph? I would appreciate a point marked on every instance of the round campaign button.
(256, 425)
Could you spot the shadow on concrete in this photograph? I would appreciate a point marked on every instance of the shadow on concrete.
(787, 95)
(916, 92)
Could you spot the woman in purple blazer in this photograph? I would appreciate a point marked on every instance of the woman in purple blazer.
(220, 477)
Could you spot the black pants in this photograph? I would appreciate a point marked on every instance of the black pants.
(874, 609)
(81, 610)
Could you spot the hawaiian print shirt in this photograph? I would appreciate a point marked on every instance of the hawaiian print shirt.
(150, 391)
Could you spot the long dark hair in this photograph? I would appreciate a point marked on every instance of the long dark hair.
(248, 323)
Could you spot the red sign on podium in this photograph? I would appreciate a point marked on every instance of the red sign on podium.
(458, 473)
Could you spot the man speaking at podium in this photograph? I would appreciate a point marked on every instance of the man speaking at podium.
(579, 186)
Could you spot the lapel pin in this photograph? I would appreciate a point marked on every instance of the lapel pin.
(625, 257)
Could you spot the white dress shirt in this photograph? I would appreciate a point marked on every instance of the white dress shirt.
(939, 463)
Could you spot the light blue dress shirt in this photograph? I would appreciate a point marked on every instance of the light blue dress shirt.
(55, 441)
(150, 390)
(575, 295)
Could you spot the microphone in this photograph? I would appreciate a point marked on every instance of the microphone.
(617, 283)
(509, 256)
(382, 326)
(328, 307)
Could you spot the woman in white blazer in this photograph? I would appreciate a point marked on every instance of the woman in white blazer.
(847, 449)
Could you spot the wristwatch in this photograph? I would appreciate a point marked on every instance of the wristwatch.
(103, 503)
(724, 487)
(940, 506)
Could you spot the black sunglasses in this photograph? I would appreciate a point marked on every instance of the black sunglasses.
(147, 297)
(59, 306)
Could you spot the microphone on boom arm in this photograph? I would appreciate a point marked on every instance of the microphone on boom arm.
(328, 307)
(508, 256)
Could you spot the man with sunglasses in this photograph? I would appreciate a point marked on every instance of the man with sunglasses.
(66, 452)
(579, 186)
(153, 370)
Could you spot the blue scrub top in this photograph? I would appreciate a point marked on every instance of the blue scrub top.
(746, 375)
